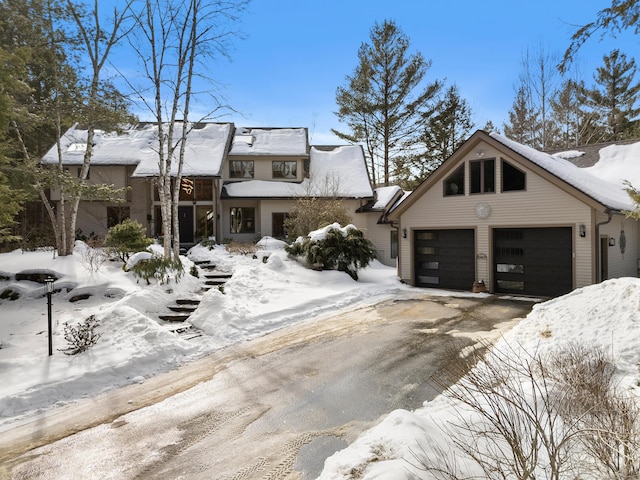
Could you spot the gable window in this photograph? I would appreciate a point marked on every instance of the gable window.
(243, 220)
(482, 176)
(454, 184)
(241, 169)
(512, 178)
(285, 169)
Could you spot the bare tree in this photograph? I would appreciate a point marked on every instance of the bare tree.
(175, 42)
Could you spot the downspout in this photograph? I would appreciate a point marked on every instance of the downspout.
(597, 244)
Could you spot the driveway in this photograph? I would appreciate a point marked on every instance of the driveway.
(272, 408)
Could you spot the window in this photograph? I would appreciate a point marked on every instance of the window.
(483, 176)
(284, 169)
(115, 215)
(196, 189)
(241, 169)
(243, 220)
(277, 225)
(512, 178)
(454, 184)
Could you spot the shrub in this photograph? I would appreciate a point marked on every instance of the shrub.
(346, 250)
(158, 267)
(309, 214)
(241, 248)
(80, 337)
(126, 238)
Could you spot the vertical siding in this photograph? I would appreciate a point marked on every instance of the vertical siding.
(542, 204)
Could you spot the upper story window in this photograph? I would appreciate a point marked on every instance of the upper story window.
(512, 178)
(241, 169)
(482, 176)
(287, 169)
(454, 184)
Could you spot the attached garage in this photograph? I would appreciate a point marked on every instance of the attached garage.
(533, 261)
(445, 258)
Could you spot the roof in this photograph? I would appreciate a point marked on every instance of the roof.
(602, 183)
(586, 155)
(138, 146)
(338, 171)
(270, 141)
(607, 190)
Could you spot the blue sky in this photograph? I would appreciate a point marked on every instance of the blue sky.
(297, 52)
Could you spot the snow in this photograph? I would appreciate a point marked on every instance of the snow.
(134, 344)
(257, 299)
(384, 196)
(139, 146)
(609, 190)
(334, 171)
(606, 315)
(270, 141)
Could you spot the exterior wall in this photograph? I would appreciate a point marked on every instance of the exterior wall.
(225, 225)
(542, 204)
(621, 264)
(263, 168)
(380, 235)
(116, 175)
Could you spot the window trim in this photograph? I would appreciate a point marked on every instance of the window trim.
(502, 176)
(446, 184)
(246, 170)
(482, 163)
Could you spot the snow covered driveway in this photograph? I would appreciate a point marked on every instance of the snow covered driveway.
(271, 408)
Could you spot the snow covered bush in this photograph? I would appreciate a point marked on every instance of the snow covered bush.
(126, 238)
(159, 268)
(80, 337)
(311, 213)
(335, 248)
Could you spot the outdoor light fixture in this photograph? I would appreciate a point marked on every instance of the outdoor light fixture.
(582, 229)
(612, 242)
(404, 233)
(49, 286)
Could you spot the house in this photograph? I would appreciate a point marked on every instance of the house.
(237, 183)
(522, 221)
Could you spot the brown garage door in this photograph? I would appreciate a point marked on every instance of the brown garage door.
(533, 261)
(444, 258)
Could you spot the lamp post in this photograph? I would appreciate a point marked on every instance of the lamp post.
(49, 284)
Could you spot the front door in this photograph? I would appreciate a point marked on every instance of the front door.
(185, 223)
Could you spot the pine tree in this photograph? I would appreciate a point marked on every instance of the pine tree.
(615, 96)
(444, 132)
(383, 102)
(523, 119)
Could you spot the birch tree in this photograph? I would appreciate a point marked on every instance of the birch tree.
(175, 43)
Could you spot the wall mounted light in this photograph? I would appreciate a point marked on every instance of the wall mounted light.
(612, 242)
(582, 230)
(404, 233)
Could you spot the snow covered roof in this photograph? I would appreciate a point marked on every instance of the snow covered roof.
(384, 196)
(270, 141)
(604, 182)
(334, 171)
(138, 145)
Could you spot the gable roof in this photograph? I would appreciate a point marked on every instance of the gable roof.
(606, 192)
(334, 171)
(138, 146)
(270, 141)
(584, 182)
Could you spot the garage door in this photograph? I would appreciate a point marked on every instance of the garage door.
(444, 259)
(533, 261)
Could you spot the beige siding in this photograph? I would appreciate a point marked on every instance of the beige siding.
(621, 264)
(542, 204)
(380, 235)
(263, 168)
